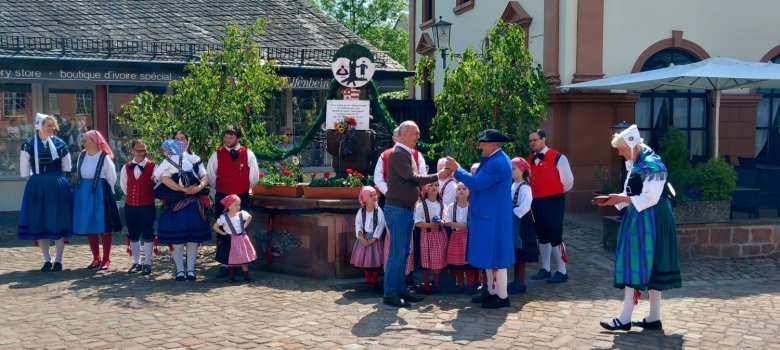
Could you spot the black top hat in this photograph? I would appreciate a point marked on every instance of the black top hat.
(493, 135)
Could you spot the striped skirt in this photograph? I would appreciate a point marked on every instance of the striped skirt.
(433, 249)
(241, 250)
(456, 248)
(370, 256)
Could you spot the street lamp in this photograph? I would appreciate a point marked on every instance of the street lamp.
(441, 33)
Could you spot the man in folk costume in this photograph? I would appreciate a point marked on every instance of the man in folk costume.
(136, 179)
(551, 178)
(491, 241)
(47, 205)
(232, 170)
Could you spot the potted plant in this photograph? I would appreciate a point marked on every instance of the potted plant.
(608, 183)
(333, 187)
(282, 179)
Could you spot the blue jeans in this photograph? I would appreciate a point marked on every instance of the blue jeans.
(400, 221)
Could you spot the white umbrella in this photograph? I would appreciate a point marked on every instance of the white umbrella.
(717, 74)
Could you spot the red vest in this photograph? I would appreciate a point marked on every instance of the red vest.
(386, 154)
(140, 191)
(545, 178)
(232, 175)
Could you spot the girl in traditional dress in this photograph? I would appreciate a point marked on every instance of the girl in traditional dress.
(369, 226)
(184, 220)
(525, 239)
(47, 209)
(456, 217)
(95, 212)
(233, 223)
(429, 217)
(646, 257)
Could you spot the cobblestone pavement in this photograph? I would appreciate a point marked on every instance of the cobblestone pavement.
(723, 305)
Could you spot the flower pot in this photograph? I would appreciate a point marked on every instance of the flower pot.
(278, 191)
(331, 192)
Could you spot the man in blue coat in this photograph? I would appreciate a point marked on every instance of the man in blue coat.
(490, 244)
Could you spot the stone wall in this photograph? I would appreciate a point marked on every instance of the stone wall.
(748, 239)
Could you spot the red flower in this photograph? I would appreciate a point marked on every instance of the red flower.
(349, 171)
(313, 175)
(351, 121)
(262, 174)
(287, 172)
(326, 174)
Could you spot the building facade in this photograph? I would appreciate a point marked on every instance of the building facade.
(581, 40)
(83, 60)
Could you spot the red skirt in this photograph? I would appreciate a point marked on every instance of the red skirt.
(456, 247)
(366, 256)
(433, 248)
(241, 250)
(409, 261)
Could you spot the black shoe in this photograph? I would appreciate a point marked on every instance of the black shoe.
(135, 269)
(94, 264)
(496, 303)
(147, 269)
(558, 278)
(191, 275)
(516, 288)
(180, 276)
(541, 275)
(410, 297)
(248, 279)
(619, 326)
(396, 301)
(482, 298)
(654, 326)
(222, 273)
(57, 267)
(46, 267)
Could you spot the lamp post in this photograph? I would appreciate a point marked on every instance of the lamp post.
(441, 33)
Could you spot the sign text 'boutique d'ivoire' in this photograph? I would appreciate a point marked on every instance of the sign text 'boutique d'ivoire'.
(87, 75)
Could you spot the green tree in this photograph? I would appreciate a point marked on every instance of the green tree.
(374, 21)
(224, 87)
(502, 88)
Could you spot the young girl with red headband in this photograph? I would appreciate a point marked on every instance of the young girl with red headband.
(525, 239)
(429, 217)
(233, 223)
(369, 226)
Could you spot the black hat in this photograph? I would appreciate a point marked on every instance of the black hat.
(493, 135)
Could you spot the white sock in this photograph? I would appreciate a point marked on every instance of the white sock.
(544, 251)
(178, 257)
(60, 248)
(655, 306)
(628, 307)
(148, 250)
(557, 252)
(44, 244)
(489, 274)
(192, 254)
(501, 281)
(135, 247)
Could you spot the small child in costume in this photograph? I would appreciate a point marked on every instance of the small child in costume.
(525, 239)
(234, 223)
(429, 217)
(369, 226)
(456, 217)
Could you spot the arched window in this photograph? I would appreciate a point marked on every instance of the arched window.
(684, 109)
(768, 123)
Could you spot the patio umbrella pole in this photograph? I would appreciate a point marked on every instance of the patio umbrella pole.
(716, 137)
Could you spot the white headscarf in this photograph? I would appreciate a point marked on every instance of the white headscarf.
(39, 119)
(632, 138)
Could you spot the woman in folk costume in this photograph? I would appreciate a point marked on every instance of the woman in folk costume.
(184, 221)
(429, 217)
(47, 208)
(234, 222)
(456, 217)
(369, 226)
(525, 239)
(94, 210)
(646, 256)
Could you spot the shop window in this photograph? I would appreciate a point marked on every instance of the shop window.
(768, 123)
(121, 136)
(427, 14)
(684, 109)
(16, 126)
(75, 113)
(306, 105)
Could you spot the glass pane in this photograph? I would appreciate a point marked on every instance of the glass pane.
(642, 113)
(306, 105)
(776, 112)
(645, 134)
(74, 109)
(762, 113)
(697, 142)
(661, 113)
(698, 113)
(680, 113)
(119, 135)
(761, 138)
(274, 114)
(16, 125)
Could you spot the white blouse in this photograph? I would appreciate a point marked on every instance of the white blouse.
(462, 215)
(378, 229)
(25, 168)
(651, 194)
(235, 221)
(89, 164)
(448, 194)
(433, 210)
(524, 199)
(166, 169)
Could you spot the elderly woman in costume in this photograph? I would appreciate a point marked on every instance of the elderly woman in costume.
(646, 258)
(184, 221)
(47, 203)
(95, 211)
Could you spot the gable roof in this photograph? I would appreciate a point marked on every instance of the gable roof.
(298, 33)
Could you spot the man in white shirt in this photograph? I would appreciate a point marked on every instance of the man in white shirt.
(380, 171)
(140, 211)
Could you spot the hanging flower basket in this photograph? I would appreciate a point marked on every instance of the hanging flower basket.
(278, 190)
(331, 192)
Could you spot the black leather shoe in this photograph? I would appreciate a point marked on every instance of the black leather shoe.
(482, 298)
(94, 264)
(222, 273)
(558, 278)
(46, 267)
(191, 275)
(619, 326)
(516, 288)
(496, 303)
(147, 269)
(654, 326)
(180, 276)
(410, 297)
(134, 269)
(57, 267)
(396, 301)
(541, 275)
